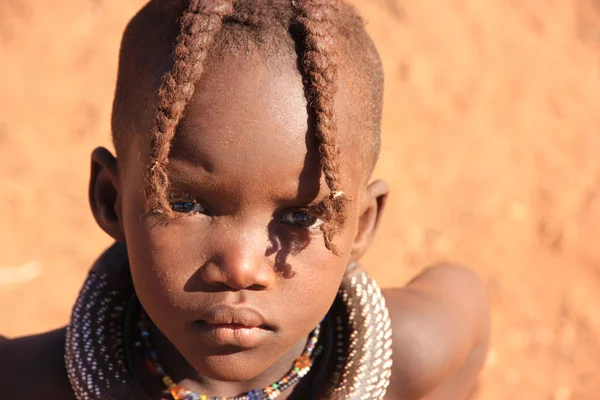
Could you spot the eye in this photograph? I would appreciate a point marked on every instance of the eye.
(301, 219)
(186, 205)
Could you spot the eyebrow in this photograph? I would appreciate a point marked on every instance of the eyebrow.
(190, 159)
(188, 174)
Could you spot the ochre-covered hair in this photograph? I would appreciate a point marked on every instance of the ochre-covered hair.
(321, 32)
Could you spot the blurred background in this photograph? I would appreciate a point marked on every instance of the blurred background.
(491, 147)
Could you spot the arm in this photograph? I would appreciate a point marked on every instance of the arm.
(33, 367)
(440, 324)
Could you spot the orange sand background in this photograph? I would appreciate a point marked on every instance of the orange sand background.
(491, 146)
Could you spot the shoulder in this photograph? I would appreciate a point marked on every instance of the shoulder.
(440, 326)
(33, 367)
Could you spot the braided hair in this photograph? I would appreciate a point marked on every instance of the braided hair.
(320, 64)
(312, 25)
(199, 26)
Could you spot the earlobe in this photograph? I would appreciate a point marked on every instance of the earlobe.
(104, 195)
(373, 203)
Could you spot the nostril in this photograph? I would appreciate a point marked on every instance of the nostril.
(256, 287)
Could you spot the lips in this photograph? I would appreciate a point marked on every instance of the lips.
(225, 325)
(227, 315)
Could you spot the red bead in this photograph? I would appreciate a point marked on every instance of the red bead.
(152, 367)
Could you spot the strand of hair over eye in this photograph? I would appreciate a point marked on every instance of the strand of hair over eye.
(320, 66)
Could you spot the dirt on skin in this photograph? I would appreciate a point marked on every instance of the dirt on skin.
(491, 147)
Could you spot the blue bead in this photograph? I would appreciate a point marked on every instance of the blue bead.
(255, 394)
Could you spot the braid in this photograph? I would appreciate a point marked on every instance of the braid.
(198, 27)
(319, 62)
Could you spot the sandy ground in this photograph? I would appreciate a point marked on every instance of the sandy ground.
(491, 147)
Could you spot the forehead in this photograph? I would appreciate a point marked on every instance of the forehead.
(244, 105)
(250, 113)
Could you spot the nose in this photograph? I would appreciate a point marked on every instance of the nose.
(239, 264)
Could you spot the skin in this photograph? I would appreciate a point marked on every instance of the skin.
(243, 243)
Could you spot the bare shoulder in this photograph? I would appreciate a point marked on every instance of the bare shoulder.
(440, 325)
(33, 367)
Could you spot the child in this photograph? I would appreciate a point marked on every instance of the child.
(240, 204)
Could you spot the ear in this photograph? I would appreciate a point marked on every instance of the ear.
(105, 199)
(372, 204)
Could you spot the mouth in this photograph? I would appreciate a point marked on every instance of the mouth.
(233, 326)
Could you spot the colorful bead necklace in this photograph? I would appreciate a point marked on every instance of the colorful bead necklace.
(301, 367)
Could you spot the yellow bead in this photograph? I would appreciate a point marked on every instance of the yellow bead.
(168, 381)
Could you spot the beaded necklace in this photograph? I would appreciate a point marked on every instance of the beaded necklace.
(301, 367)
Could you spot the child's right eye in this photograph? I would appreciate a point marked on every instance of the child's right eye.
(185, 205)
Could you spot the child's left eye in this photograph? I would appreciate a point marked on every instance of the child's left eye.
(301, 219)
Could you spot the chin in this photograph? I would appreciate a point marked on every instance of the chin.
(233, 367)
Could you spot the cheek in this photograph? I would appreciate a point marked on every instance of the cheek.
(317, 274)
(321, 273)
(163, 258)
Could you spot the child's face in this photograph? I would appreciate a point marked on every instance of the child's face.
(241, 249)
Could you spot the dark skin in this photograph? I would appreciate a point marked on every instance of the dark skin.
(245, 178)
